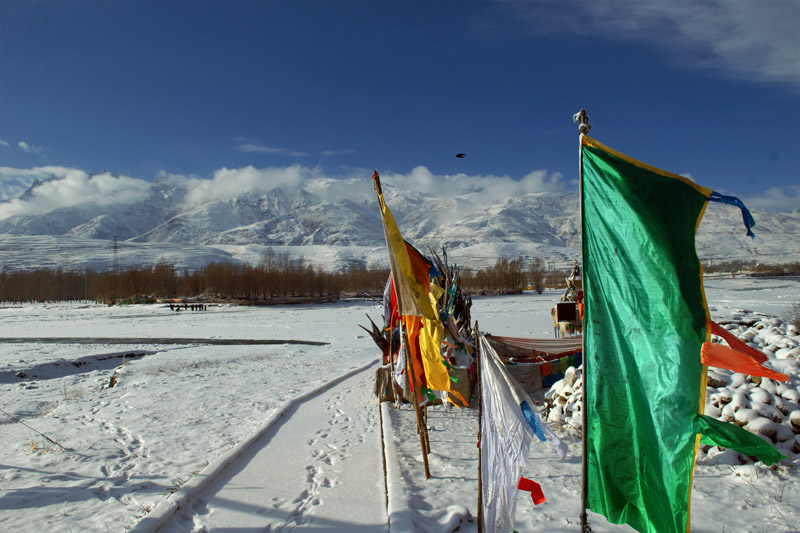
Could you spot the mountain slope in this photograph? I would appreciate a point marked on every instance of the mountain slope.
(333, 231)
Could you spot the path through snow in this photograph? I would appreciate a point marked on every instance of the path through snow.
(316, 465)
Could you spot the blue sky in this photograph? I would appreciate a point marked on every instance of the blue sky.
(148, 89)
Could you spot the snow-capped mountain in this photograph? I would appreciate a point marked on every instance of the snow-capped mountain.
(332, 231)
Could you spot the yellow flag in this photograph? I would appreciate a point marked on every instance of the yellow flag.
(412, 296)
(416, 304)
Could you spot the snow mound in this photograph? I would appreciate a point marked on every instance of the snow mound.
(768, 408)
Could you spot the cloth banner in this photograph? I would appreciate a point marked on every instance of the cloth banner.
(646, 320)
(506, 436)
(411, 276)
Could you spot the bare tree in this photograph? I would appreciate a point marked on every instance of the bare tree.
(536, 275)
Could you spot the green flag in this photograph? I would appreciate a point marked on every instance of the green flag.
(645, 322)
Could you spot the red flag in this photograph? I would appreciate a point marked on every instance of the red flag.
(734, 342)
(534, 488)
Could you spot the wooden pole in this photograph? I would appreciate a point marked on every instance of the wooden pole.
(480, 426)
(425, 426)
(422, 428)
(583, 127)
(391, 365)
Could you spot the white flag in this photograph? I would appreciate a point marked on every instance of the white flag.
(506, 436)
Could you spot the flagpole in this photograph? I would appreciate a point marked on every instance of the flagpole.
(422, 430)
(391, 347)
(480, 427)
(583, 127)
(391, 361)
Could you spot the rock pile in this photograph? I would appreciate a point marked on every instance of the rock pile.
(768, 408)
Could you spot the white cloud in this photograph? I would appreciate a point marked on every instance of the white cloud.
(25, 147)
(777, 199)
(245, 144)
(337, 189)
(260, 148)
(15, 181)
(491, 188)
(229, 183)
(67, 187)
(36, 172)
(64, 187)
(13, 184)
(347, 151)
(29, 148)
(741, 37)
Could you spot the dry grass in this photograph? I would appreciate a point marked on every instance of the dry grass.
(794, 316)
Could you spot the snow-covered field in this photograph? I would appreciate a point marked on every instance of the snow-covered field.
(118, 451)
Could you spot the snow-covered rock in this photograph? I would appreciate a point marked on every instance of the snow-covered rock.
(763, 406)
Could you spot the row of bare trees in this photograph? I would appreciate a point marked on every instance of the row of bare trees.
(510, 275)
(753, 267)
(276, 276)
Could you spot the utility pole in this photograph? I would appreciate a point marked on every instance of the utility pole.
(115, 267)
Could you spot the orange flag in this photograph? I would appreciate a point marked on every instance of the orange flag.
(724, 357)
(739, 357)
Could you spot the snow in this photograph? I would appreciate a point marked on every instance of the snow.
(334, 223)
(347, 459)
(196, 416)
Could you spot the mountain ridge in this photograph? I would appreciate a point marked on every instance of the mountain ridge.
(334, 229)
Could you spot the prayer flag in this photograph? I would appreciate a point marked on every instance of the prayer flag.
(411, 276)
(724, 357)
(534, 488)
(507, 427)
(645, 323)
(739, 357)
(412, 291)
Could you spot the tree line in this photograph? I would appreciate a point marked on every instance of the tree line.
(275, 277)
(753, 267)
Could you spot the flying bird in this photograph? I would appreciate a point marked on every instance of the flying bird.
(461, 155)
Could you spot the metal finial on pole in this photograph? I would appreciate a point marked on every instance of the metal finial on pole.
(583, 121)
